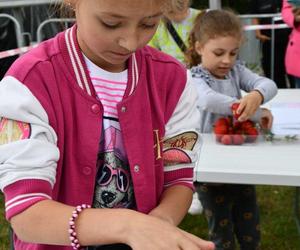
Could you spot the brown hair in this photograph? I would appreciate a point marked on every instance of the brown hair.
(209, 25)
(65, 9)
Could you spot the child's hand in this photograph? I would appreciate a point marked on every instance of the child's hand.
(262, 37)
(249, 104)
(148, 233)
(266, 119)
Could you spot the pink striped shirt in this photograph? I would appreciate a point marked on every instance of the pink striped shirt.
(110, 87)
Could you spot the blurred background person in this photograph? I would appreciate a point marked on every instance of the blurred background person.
(291, 16)
(173, 31)
(171, 37)
(280, 41)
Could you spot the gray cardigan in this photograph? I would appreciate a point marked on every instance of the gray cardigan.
(217, 95)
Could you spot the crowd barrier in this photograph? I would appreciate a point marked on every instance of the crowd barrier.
(20, 50)
(39, 33)
(18, 30)
(24, 3)
(65, 21)
(15, 52)
(16, 12)
(276, 17)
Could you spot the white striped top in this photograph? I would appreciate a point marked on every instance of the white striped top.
(109, 87)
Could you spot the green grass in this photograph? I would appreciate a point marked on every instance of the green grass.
(4, 239)
(278, 227)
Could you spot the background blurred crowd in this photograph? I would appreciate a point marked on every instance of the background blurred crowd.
(30, 23)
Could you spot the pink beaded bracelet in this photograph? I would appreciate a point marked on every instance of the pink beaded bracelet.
(72, 232)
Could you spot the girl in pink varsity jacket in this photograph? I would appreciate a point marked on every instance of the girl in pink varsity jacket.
(99, 136)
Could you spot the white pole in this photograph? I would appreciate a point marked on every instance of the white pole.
(215, 4)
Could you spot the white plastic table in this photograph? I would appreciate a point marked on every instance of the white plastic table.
(263, 162)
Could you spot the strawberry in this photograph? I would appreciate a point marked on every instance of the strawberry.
(247, 124)
(222, 121)
(219, 137)
(239, 132)
(229, 120)
(238, 139)
(237, 125)
(252, 134)
(226, 140)
(230, 131)
(234, 108)
(220, 130)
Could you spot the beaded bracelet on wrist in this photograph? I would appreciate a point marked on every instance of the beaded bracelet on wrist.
(72, 232)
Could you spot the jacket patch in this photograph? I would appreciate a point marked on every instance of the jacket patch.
(185, 141)
(175, 156)
(11, 131)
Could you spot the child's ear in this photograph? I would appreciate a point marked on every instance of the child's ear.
(198, 48)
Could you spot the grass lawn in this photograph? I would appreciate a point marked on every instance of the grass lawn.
(278, 227)
(4, 240)
(279, 231)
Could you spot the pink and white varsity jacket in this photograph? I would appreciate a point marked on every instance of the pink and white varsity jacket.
(51, 122)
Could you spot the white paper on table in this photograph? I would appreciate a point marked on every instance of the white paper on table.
(286, 118)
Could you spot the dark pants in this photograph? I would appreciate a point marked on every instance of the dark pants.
(231, 210)
(297, 82)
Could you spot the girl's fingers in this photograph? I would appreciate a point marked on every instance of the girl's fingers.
(270, 122)
(246, 114)
(160, 235)
(202, 244)
(240, 108)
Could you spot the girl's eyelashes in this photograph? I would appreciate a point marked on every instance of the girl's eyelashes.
(110, 25)
(218, 53)
(234, 52)
(149, 26)
(118, 25)
(222, 53)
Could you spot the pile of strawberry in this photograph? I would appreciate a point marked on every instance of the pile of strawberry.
(229, 131)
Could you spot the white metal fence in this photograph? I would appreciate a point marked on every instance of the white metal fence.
(24, 3)
(18, 29)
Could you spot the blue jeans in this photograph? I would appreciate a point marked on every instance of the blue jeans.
(297, 82)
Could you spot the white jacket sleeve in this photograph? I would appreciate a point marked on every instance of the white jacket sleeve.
(182, 142)
(29, 153)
